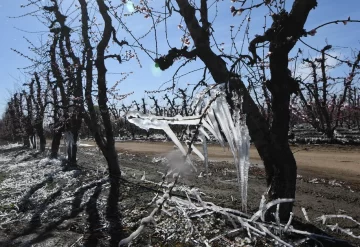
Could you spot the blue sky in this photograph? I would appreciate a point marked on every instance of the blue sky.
(146, 78)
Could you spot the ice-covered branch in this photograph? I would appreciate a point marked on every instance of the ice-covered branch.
(215, 118)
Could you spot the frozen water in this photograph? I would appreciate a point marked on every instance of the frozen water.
(218, 121)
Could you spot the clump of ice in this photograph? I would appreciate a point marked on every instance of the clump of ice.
(217, 119)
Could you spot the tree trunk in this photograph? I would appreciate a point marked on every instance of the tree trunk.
(112, 160)
(112, 210)
(42, 144)
(282, 180)
(41, 134)
(55, 145)
(26, 141)
(72, 150)
(33, 141)
(113, 215)
(330, 133)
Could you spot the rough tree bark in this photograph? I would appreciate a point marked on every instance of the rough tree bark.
(271, 143)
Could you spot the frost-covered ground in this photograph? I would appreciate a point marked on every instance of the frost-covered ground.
(37, 192)
(45, 203)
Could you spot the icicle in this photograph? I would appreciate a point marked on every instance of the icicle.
(151, 122)
(216, 120)
(173, 137)
(246, 154)
(205, 151)
(64, 144)
(216, 128)
(68, 142)
(195, 150)
(202, 131)
(224, 123)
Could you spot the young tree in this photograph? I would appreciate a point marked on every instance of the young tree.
(21, 120)
(29, 119)
(68, 79)
(36, 104)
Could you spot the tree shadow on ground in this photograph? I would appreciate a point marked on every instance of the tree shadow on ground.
(93, 219)
(24, 203)
(35, 221)
(80, 193)
(18, 150)
(315, 239)
(45, 232)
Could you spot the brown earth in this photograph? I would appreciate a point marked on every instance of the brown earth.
(326, 161)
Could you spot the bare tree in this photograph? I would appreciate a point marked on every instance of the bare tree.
(270, 141)
(36, 101)
(322, 103)
(40, 98)
(69, 79)
(106, 143)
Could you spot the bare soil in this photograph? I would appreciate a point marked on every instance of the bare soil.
(320, 161)
(328, 184)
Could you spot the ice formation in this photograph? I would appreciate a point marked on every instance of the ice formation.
(216, 119)
(205, 151)
(68, 141)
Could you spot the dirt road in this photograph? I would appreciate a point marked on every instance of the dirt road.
(332, 162)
